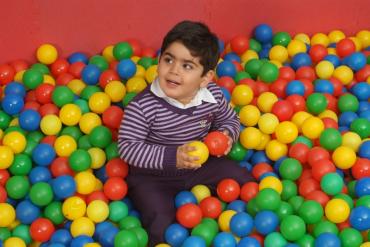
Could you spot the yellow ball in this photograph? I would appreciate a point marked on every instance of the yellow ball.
(151, 73)
(248, 55)
(97, 211)
(136, 84)
(14, 242)
(357, 43)
(19, 76)
(135, 59)
(321, 39)
(50, 124)
(312, 127)
(344, 157)
(249, 115)
(70, 114)
(163, 245)
(99, 102)
(267, 123)
(265, 138)
(89, 121)
(337, 210)
(365, 244)
(275, 150)
(224, 220)
(272, 183)
(299, 117)
(266, 100)
(46, 54)
(85, 182)
(344, 74)
(16, 141)
(6, 157)
(250, 137)
(303, 37)
(332, 51)
(7, 214)
(324, 69)
(48, 79)
(108, 53)
(65, 145)
(277, 63)
(335, 36)
(82, 226)
(92, 245)
(116, 90)
(140, 71)
(328, 114)
(14, 122)
(73, 208)
(98, 157)
(201, 151)
(279, 53)
(296, 46)
(76, 86)
(286, 132)
(364, 37)
(200, 192)
(351, 140)
(242, 95)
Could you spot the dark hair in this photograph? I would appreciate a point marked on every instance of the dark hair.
(200, 41)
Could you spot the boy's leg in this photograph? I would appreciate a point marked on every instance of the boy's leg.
(154, 198)
(216, 169)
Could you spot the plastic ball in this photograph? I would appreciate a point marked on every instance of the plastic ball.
(272, 183)
(64, 186)
(278, 53)
(189, 215)
(296, 46)
(115, 188)
(361, 168)
(228, 190)
(275, 239)
(286, 132)
(242, 95)
(62, 95)
(201, 151)
(290, 169)
(330, 139)
(263, 33)
(211, 207)
(337, 210)
(267, 123)
(89, 121)
(275, 150)
(85, 182)
(42, 229)
(176, 234)
(7, 214)
(15, 140)
(327, 239)
(224, 219)
(268, 72)
(12, 104)
(358, 218)
(74, 207)
(97, 211)
(250, 137)
(122, 50)
(126, 68)
(14, 241)
(239, 44)
(332, 183)
(344, 74)
(283, 109)
(200, 192)
(100, 136)
(217, 143)
(268, 199)
(344, 157)
(82, 226)
(17, 187)
(249, 115)
(362, 187)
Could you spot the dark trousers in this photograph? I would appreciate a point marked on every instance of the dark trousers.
(154, 196)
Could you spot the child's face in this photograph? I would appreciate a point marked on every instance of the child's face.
(180, 74)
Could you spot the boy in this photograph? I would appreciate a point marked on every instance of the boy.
(180, 106)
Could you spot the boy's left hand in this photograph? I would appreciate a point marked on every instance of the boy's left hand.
(229, 142)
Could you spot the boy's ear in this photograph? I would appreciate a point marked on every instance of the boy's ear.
(207, 78)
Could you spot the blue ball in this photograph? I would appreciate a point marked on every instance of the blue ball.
(248, 242)
(56, 245)
(364, 150)
(362, 187)
(363, 106)
(266, 222)
(335, 60)
(175, 235)
(101, 227)
(29, 120)
(224, 239)
(106, 238)
(184, 197)
(323, 86)
(241, 224)
(232, 56)
(226, 68)
(64, 186)
(39, 174)
(346, 118)
(194, 241)
(90, 74)
(101, 174)
(27, 212)
(356, 61)
(134, 213)
(264, 53)
(277, 164)
(237, 206)
(327, 239)
(295, 87)
(81, 240)
(361, 90)
(359, 218)
(78, 57)
(259, 157)
(15, 88)
(226, 94)
(126, 68)
(268, 174)
(300, 60)
(43, 154)
(62, 236)
(221, 46)
(365, 114)
(12, 104)
(263, 33)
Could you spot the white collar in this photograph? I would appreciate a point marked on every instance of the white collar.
(202, 95)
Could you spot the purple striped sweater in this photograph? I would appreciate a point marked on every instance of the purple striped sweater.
(152, 129)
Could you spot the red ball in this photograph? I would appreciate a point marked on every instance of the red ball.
(298, 102)
(305, 72)
(238, 66)
(136, 46)
(261, 87)
(217, 143)
(115, 188)
(49, 140)
(299, 151)
(322, 167)
(31, 105)
(41, 229)
(48, 109)
(239, 44)
(306, 174)
(59, 67)
(211, 207)
(283, 109)
(319, 196)
(363, 73)
(116, 168)
(108, 76)
(112, 117)
(75, 69)
(249, 191)
(345, 47)
(226, 82)
(307, 186)
(19, 65)
(361, 168)
(44, 93)
(308, 87)
(332, 102)
(329, 123)
(4, 176)
(60, 167)
(6, 74)
(97, 195)
(189, 215)
(261, 168)
(64, 78)
(3, 194)
(251, 83)
(318, 52)
(31, 96)
(286, 73)
(317, 153)
(228, 190)
(278, 87)
(148, 52)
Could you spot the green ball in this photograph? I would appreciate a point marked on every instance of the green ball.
(296, 202)
(304, 140)
(292, 227)
(268, 199)
(237, 152)
(289, 189)
(129, 222)
(324, 226)
(316, 103)
(111, 151)
(252, 207)
(253, 67)
(255, 45)
(205, 232)
(281, 38)
(290, 169)
(128, 97)
(31, 144)
(306, 241)
(142, 236)
(275, 239)
(23, 232)
(268, 72)
(4, 120)
(117, 211)
(284, 210)
(79, 160)
(363, 201)
(361, 126)
(350, 237)
(32, 78)
(35, 136)
(4, 233)
(241, 75)
(348, 102)
(22, 165)
(54, 212)
(17, 187)
(41, 194)
(100, 136)
(72, 131)
(62, 95)
(88, 91)
(332, 183)
(15, 128)
(351, 188)
(83, 105)
(84, 142)
(311, 212)
(122, 50)
(100, 62)
(330, 139)
(347, 198)
(125, 238)
(211, 224)
(146, 62)
(42, 68)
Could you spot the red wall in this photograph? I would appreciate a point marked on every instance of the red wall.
(91, 25)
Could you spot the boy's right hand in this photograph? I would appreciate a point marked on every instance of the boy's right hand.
(184, 160)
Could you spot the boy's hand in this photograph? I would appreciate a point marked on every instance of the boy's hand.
(229, 142)
(184, 160)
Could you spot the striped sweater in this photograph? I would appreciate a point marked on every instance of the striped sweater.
(152, 129)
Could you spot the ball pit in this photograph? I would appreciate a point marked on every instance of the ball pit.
(303, 102)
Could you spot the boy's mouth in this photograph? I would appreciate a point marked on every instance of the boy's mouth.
(171, 82)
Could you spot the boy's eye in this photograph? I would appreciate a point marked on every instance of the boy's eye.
(187, 66)
(168, 60)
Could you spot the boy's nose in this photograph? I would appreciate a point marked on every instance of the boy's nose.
(174, 68)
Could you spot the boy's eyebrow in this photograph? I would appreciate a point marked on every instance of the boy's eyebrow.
(184, 60)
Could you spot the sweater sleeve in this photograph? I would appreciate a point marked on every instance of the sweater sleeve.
(132, 145)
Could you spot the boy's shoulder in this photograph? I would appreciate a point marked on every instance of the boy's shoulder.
(215, 90)
(145, 95)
